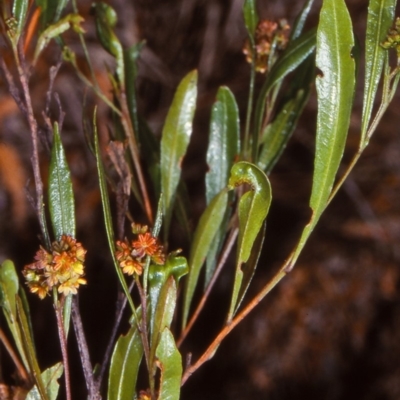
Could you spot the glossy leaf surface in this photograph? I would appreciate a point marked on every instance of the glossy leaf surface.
(175, 139)
(297, 51)
(29, 349)
(253, 209)
(19, 10)
(61, 195)
(206, 230)
(301, 20)
(125, 363)
(335, 90)
(50, 381)
(9, 288)
(170, 364)
(250, 16)
(176, 267)
(223, 145)
(380, 18)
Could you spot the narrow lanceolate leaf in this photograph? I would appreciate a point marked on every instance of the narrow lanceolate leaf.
(50, 378)
(380, 18)
(164, 314)
(175, 139)
(297, 51)
(206, 230)
(335, 90)
(125, 363)
(61, 196)
(105, 201)
(253, 209)
(223, 145)
(29, 349)
(170, 365)
(19, 13)
(278, 133)
(301, 20)
(250, 16)
(9, 288)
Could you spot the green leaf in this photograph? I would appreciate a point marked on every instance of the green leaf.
(297, 51)
(19, 10)
(106, 19)
(170, 365)
(223, 145)
(9, 288)
(29, 349)
(250, 16)
(206, 230)
(175, 266)
(335, 90)
(253, 209)
(301, 20)
(70, 21)
(131, 57)
(164, 313)
(278, 133)
(380, 18)
(50, 378)
(175, 139)
(61, 195)
(48, 9)
(105, 201)
(125, 363)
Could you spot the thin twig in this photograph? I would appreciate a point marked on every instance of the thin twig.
(63, 343)
(120, 307)
(20, 367)
(225, 253)
(91, 384)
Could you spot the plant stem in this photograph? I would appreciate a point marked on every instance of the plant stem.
(21, 369)
(225, 253)
(63, 344)
(91, 384)
(208, 354)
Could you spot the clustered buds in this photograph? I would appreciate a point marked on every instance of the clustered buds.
(393, 38)
(61, 268)
(270, 37)
(131, 256)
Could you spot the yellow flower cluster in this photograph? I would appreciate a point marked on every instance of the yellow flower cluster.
(61, 268)
(393, 39)
(131, 255)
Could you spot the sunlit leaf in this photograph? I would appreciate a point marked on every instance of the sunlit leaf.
(50, 381)
(223, 145)
(19, 10)
(253, 209)
(380, 18)
(125, 363)
(301, 20)
(297, 51)
(175, 266)
(175, 139)
(250, 16)
(61, 195)
(335, 89)
(29, 349)
(206, 230)
(9, 288)
(170, 365)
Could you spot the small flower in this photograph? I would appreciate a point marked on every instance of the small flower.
(393, 39)
(126, 260)
(61, 268)
(270, 37)
(145, 245)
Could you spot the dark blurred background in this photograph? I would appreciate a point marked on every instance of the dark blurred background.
(331, 329)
